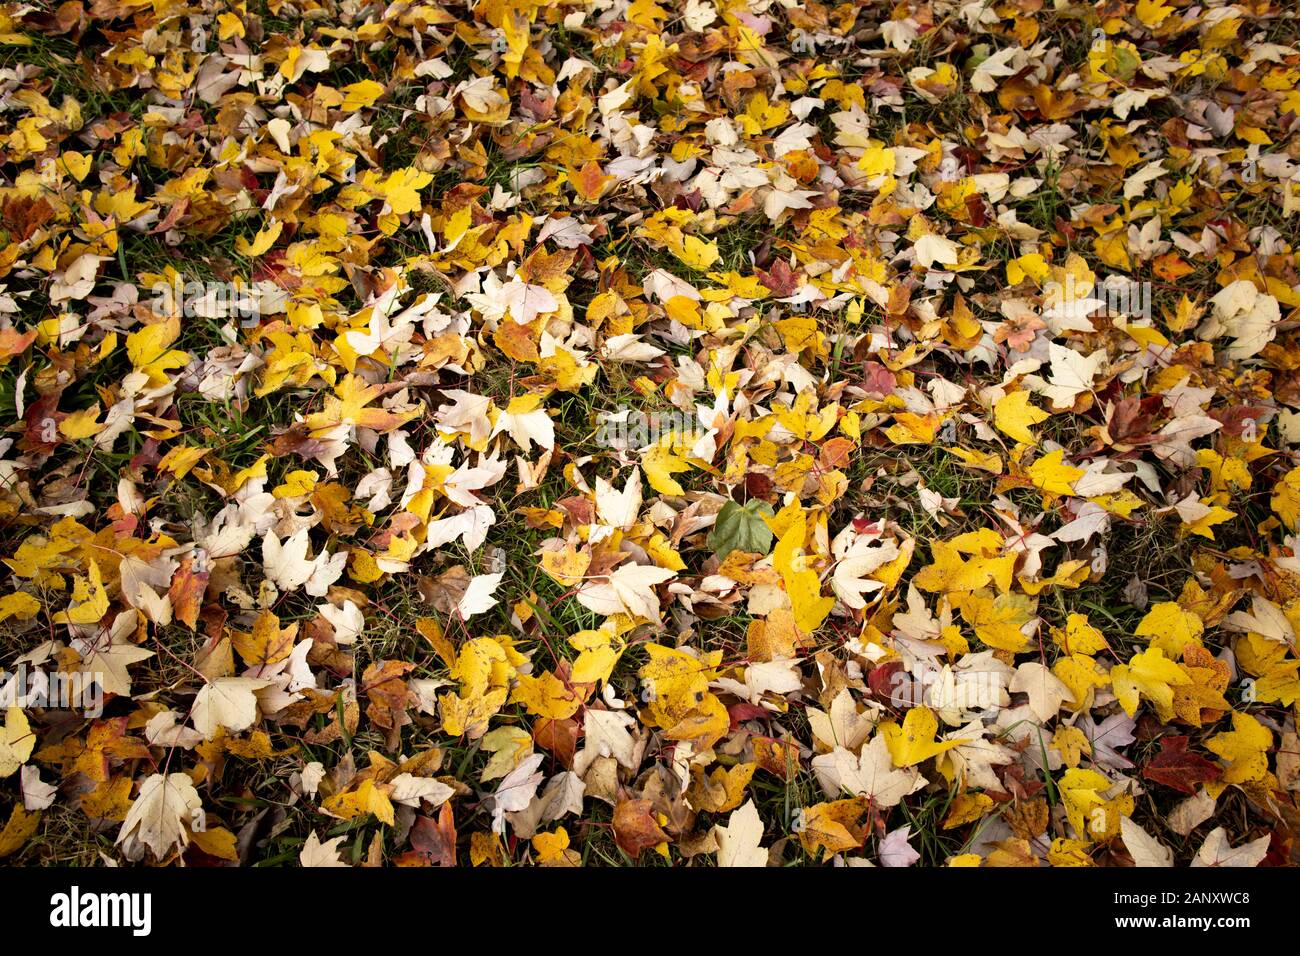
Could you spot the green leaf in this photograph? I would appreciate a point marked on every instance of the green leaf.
(741, 528)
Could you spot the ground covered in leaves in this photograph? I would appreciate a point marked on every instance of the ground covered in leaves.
(730, 433)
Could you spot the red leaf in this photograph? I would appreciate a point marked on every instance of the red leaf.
(1176, 766)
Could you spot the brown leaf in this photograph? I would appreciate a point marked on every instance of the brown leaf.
(635, 829)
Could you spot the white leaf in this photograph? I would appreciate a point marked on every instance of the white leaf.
(930, 249)
(37, 794)
(163, 730)
(619, 509)
(471, 526)
(1216, 851)
(288, 568)
(628, 590)
(1046, 691)
(516, 790)
(107, 656)
(348, 621)
(159, 816)
(985, 78)
(315, 853)
(1145, 849)
(1072, 374)
(606, 734)
(1191, 813)
(842, 725)
(410, 790)
(895, 850)
(1091, 520)
(870, 774)
(526, 302)
(1136, 185)
(229, 702)
(76, 281)
(563, 794)
(738, 841)
(526, 428)
(478, 596)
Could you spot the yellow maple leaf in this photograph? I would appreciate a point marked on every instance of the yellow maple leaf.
(951, 572)
(366, 798)
(831, 827)
(89, 599)
(1275, 674)
(545, 696)
(914, 742)
(1244, 749)
(802, 585)
(20, 605)
(552, 849)
(998, 620)
(261, 242)
(402, 189)
(1286, 499)
(1079, 636)
(149, 350)
(1152, 13)
(16, 741)
(660, 463)
(1013, 414)
(600, 651)
(1149, 674)
(360, 95)
(350, 405)
(1171, 628)
(1053, 476)
(1089, 811)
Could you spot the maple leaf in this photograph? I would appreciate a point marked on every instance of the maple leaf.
(545, 696)
(267, 643)
(106, 657)
(914, 742)
(1053, 476)
(1216, 851)
(999, 621)
(1013, 414)
(314, 853)
(738, 841)
(636, 829)
(832, 827)
(1148, 674)
(516, 790)
(1176, 766)
(1244, 748)
(228, 703)
(1046, 692)
(895, 851)
(1145, 849)
(741, 528)
(802, 585)
(159, 817)
(365, 798)
(1082, 792)
(629, 589)
(870, 774)
(350, 406)
(16, 741)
